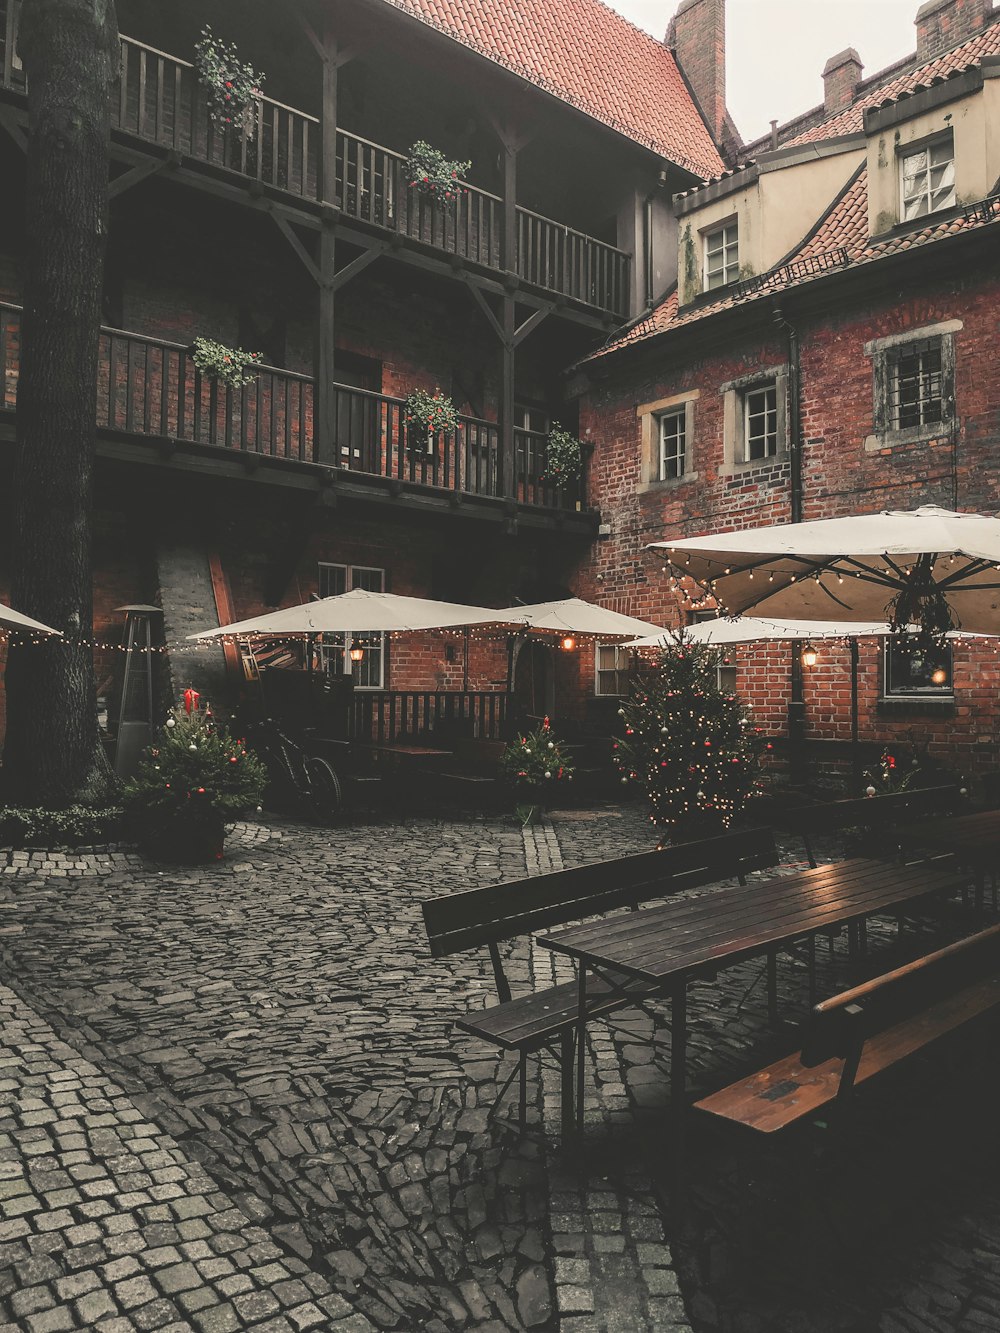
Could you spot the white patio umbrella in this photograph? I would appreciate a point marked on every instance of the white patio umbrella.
(575, 616)
(723, 632)
(362, 612)
(14, 619)
(929, 565)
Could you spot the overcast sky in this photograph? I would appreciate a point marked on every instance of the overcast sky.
(777, 48)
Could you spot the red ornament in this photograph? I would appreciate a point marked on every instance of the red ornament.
(191, 698)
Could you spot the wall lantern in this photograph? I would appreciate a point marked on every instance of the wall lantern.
(357, 654)
(568, 644)
(809, 655)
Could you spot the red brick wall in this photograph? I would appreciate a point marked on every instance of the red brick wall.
(839, 476)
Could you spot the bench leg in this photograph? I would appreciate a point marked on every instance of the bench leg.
(522, 1099)
(567, 1045)
(581, 1043)
(678, 1099)
(811, 962)
(772, 986)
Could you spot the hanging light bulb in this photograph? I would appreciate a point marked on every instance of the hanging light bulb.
(568, 644)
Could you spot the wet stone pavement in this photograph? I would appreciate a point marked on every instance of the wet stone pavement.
(233, 1097)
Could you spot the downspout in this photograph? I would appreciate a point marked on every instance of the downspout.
(647, 223)
(796, 705)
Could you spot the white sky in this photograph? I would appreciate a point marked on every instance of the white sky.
(776, 49)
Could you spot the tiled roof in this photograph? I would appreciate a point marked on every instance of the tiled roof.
(584, 53)
(840, 241)
(851, 120)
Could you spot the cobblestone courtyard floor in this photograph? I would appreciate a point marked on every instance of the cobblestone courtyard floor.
(233, 1097)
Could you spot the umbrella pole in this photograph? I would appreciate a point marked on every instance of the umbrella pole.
(855, 742)
(465, 662)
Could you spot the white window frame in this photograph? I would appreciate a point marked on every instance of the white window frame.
(679, 417)
(334, 651)
(925, 198)
(768, 412)
(728, 235)
(726, 664)
(650, 417)
(619, 671)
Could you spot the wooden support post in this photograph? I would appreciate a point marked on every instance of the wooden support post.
(507, 355)
(325, 405)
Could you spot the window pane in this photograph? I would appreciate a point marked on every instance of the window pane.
(911, 671)
(612, 669)
(927, 179)
(722, 256)
(760, 408)
(673, 445)
(917, 386)
(372, 580)
(332, 580)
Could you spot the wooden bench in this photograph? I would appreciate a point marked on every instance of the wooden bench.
(872, 813)
(535, 1022)
(861, 1033)
(474, 772)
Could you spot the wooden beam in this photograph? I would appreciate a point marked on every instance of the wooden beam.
(284, 226)
(511, 136)
(532, 322)
(483, 304)
(224, 611)
(134, 175)
(356, 266)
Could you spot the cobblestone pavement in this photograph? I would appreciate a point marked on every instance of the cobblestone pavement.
(271, 1034)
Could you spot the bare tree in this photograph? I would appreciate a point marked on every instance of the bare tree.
(70, 53)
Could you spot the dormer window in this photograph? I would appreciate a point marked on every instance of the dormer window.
(927, 179)
(722, 258)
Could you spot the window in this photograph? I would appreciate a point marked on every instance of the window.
(673, 445)
(927, 179)
(722, 260)
(333, 651)
(755, 419)
(726, 659)
(611, 670)
(913, 382)
(916, 387)
(915, 673)
(760, 422)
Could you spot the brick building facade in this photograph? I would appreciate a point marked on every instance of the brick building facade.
(828, 350)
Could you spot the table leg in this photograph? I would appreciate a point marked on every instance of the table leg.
(811, 959)
(772, 985)
(581, 1041)
(678, 1087)
(567, 1044)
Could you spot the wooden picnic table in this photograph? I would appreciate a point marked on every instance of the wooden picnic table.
(667, 946)
(973, 839)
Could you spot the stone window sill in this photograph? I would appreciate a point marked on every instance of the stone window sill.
(914, 706)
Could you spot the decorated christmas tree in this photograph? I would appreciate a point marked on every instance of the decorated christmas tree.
(692, 747)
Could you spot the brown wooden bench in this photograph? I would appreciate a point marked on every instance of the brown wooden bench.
(875, 814)
(537, 1021)
(861, 1033)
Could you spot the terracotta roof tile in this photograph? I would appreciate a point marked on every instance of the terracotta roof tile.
(584, 53)
(840, 241)
(851, 120)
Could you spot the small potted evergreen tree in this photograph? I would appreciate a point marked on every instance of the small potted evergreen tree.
(536, 764)
(193, 781)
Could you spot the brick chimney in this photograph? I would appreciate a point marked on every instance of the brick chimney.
(942, 24)
(841, 76)
(697, 37)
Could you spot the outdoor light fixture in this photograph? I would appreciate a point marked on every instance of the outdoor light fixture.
(357, 654)
(568, 644)
(809, 655)
(939, 677)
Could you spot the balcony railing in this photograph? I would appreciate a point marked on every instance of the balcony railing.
(385, 715)
(160, 100)
(151, 388)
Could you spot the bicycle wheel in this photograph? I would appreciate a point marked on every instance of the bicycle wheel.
(325, 793)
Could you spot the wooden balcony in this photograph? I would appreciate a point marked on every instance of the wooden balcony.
(151, 389)
(160, 101)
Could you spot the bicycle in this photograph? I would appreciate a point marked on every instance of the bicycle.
(295, 777)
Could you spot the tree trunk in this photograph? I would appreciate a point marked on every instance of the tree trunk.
(70, 54)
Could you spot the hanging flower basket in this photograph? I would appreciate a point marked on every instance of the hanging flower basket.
(429, 415)
(430, 173)
(232, 86)
(563, 458)
(231, 366)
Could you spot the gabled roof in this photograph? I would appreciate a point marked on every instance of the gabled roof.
(839, 242)
(851, 120)
(585, 54)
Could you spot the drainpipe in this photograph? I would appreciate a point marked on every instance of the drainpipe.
(796, 706)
